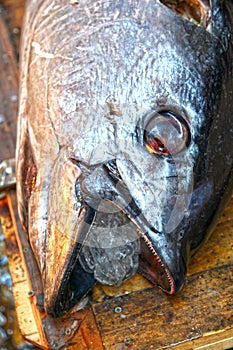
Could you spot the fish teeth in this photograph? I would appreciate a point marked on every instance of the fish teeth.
(151, 248)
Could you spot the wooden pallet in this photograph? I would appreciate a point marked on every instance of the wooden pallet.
(136, 315)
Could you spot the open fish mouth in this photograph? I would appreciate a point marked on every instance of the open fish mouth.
(115, 249)
(118, 242)
(110, 241)
(111, 248)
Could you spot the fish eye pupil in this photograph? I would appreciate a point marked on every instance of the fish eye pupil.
(155, 145)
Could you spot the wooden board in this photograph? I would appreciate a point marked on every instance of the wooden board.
(8, 95)
(136, 315)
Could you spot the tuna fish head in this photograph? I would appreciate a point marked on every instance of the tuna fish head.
(125, 139)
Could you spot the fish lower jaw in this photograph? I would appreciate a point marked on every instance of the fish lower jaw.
(153, 268)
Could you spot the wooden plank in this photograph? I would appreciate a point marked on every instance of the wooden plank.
(13, 13)
(212, 341)
(8, 94)
(218, 250)
(20, 287)
(25, 252)
(32, 280)
(150, 319)
(77, 329)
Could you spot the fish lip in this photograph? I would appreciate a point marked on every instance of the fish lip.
(162, 262)
(167, 272)
(167, 283)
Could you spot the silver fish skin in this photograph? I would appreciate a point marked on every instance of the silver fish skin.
(123, 104)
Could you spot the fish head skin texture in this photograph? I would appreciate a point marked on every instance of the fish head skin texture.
(130, 104)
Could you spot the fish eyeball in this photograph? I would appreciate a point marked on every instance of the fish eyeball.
(166, 134)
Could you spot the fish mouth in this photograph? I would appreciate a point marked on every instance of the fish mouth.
(196, 11)
(106, 262)
(154, 261)
(114, 254)
(111, 248)
(84, 256)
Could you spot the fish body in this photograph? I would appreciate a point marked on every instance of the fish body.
(125, 139)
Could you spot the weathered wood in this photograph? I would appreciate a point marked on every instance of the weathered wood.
(20, 286)
(150, 319)
(25, 250)
(8, 94)
(32, 279)
(76, 330)
(13, 13)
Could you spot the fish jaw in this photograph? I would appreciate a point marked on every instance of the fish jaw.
(169, 273)
(153, 268)
(163, 257)
(58, 223)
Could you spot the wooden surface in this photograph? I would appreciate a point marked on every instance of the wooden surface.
(136, 315)
(9, 93)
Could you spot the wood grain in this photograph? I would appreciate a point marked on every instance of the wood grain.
(20, 284)
(13, 11)
(151, 319)
(8, 95)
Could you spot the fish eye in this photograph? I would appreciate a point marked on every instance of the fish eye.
(166, 134)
